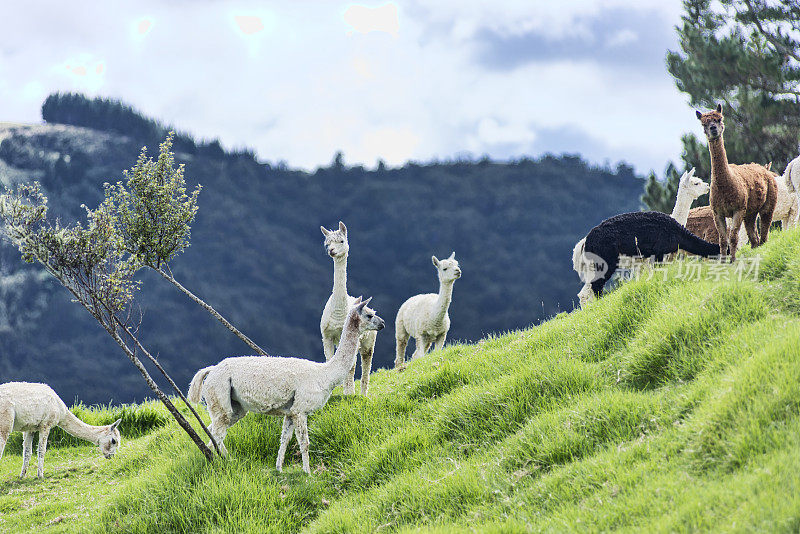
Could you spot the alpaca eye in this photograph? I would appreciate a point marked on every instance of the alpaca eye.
(113, 441)
(444, 269)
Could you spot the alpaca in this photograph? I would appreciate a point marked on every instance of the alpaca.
(29, 408)
(335, 311)
(291, 387)
(701, 220)
(791, 178)
(690, 188)
(646, 234)
(742, 192)
(424, 317)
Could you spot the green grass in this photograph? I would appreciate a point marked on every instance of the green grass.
(667, 405)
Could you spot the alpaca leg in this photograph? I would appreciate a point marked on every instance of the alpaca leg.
(286, 437)
(766, 222)
(439, 343)
(750, 230)
(791, 218)
(219, 431)
(328, 348)
(420, 346)
(401, 337)
(733, 237)
(585, 295)
(722, 230)
(220, 422)
(301, 433)
(40, 450)
(27, 451)
(349, 385)
(366, 368)
(6, 424)
(426, 345)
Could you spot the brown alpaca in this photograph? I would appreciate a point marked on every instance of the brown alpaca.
(742, 192)
(701, 223)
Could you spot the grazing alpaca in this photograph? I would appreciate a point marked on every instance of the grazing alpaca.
(791, 178)
(742, 192)
(425, 317)
(644, 233)
(689, 189)
(291, 387)
(29, 408)
(335, 311)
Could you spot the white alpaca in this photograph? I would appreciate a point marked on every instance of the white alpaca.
(791, 180)
(291, 387)
(425, 317)
(786, 208)
(335, 311)
(30, 408)
(690, 188)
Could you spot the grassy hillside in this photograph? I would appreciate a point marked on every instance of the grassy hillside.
(668, 405)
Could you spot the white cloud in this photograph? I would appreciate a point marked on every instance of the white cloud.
(622, 38)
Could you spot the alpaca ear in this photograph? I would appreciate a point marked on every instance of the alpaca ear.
(699, 115)
(325, 231)
(719, 108)
(114, 425)
(452, 256)
(691, 172)
(357, 301)
(366, 302)
(435, 261)
(342, 228)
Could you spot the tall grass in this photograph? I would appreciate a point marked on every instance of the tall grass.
(668, 405)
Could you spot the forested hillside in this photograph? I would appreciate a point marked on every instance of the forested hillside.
(256, 251)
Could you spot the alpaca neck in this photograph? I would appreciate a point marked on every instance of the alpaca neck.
(340, 282)
(682, 205)
(75, 427)
(719, 160)
(336, 369)
(443, 301)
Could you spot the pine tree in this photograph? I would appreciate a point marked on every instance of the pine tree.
(744, 54)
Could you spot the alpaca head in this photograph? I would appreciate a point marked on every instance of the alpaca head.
(336, 241)
(110, 439)
(366, 316)
(713, 123)
(448, 269)
(692, 186)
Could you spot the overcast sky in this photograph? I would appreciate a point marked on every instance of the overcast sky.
(299, 80)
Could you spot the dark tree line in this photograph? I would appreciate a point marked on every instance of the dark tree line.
(257, 256)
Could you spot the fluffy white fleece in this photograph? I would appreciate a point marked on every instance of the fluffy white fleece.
(425, 317)
(335, 311)
(291, 387)
(28, 407)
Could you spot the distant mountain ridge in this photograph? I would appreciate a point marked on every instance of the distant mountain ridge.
(256, 251)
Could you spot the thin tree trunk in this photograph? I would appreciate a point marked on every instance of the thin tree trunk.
(209, 454)
(213, 312)
(111, 329)
(171, 382)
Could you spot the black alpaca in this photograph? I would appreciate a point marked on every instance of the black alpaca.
(643, 233)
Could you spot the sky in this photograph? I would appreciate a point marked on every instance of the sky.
(404, 80)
